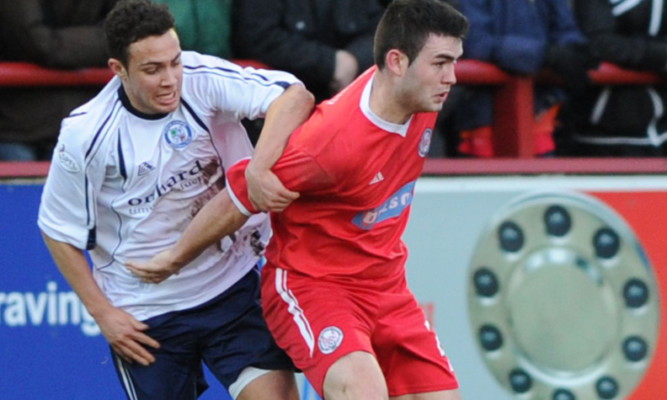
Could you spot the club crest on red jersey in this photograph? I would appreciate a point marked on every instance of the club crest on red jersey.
(425, 143)
(330, 339)
(178, 134)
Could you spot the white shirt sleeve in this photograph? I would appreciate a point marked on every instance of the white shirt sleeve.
(67, 208)
(244, 92)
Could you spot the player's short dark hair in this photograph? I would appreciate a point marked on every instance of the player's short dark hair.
(132, 20)
(406, 24)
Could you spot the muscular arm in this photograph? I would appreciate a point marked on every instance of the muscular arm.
(217, 219)
(122, 331)
(285, 114)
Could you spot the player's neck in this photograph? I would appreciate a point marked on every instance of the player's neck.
(385, 101)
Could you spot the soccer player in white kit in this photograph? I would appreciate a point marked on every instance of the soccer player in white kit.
(131, 169)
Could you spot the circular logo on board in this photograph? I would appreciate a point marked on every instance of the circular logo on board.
(330, 339)
(562, 299)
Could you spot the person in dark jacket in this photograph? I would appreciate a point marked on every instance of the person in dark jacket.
(324, 43)
(57, 34)
(622, 120)
(522, 37)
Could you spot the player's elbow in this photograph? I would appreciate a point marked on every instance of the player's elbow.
(301, 97)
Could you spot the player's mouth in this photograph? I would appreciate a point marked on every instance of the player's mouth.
(168, 99)
(441, 97)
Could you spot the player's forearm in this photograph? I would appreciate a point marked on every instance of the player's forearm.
(73, 265)
(217, 219)
(285, 114)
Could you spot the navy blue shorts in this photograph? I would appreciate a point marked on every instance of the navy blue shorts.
(227, 333)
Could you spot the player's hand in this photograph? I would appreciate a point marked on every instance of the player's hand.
(265, 190)
(126, 337)
(155, 270)
(345, 71)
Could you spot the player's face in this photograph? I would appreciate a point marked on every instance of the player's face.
(155, 73)
(430, 77)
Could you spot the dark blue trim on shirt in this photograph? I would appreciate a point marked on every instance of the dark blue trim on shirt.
(121, 159)
(228, 70)
(99, 131)
(92, 238)
(234, 74)
(194, 115)
(92, 233)
(128, 105)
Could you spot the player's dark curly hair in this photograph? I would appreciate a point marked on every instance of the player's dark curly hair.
(406, 24)
(133, 20)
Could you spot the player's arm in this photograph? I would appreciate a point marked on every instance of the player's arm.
(285, 114)
(122, 331)
(218, 218)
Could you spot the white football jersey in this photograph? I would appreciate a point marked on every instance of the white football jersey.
(124, 185)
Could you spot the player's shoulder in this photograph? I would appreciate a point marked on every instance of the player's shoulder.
(193, 59)
(198, 68)
(341, 112)
(202, 66)
(334, 130)
(347, 101)
(81, 127)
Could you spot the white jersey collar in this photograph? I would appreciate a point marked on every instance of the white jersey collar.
(365, 104)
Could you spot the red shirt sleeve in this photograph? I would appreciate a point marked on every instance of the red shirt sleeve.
(237, 186)
(308, 165)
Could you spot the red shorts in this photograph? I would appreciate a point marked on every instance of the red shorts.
(317, 321)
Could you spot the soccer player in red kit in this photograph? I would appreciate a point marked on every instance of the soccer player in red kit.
(334, 290)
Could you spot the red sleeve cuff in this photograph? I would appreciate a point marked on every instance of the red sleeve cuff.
(237, 187)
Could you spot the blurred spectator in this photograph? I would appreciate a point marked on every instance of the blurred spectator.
(325, 43)
(56, 34)
(522, 37)
(203, 25)
(622, 120)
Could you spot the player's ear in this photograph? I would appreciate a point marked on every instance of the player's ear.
(397, 62)
(117, 67)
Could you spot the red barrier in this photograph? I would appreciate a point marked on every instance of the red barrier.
(472, 72)
(513, 100)
(27, 74)
(457, 167)
(22, 169)
(527, 166)
(514, 105)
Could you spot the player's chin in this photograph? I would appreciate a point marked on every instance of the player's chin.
(434, 106)
(165, 109)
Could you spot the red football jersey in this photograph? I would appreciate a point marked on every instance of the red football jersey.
(356, 174)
